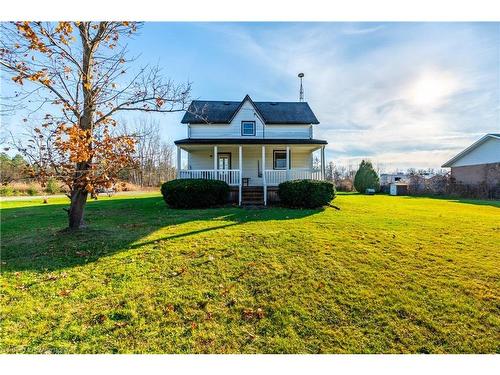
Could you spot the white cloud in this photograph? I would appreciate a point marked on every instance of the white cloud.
(414, 98)
(431, 89)
(362, 30)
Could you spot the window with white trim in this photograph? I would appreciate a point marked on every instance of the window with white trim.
(248, 128)
(279, 159)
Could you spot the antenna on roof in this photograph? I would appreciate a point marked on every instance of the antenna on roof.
(301, 92)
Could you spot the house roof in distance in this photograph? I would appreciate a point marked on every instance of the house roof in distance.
(219, 111)
(472, 147)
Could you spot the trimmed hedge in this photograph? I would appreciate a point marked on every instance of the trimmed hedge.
(306, 193)
(195, 193)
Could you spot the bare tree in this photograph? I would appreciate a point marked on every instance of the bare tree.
(341, 176)
(80, 74)
(153, 155)
(329, 170)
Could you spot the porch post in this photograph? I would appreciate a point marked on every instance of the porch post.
(240, 159)
(215, 162)
(264, 184)
(287, 163)
(322, 162)
(178, 162)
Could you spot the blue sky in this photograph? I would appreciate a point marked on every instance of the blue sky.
(402, 94)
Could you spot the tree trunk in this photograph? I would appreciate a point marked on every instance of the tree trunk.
(76, 209)
(79, 194)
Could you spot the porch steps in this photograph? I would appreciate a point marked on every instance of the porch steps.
(252, 196)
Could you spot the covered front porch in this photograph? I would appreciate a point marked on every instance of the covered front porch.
(250, 166)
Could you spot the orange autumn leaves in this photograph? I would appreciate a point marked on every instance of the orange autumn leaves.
(30, 35)
(75, 142)
(40, 76)
(104, 155)
(36, 44)
(64, 31)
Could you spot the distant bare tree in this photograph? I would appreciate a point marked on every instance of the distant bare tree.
(329, 170)
(334, 172)
(154, 157)
(341, 176)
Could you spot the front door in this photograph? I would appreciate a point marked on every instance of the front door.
(224, 161)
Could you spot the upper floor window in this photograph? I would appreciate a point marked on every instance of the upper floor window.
(248, 128)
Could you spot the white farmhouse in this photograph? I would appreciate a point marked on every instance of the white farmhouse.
(253, 146)
(478, 163)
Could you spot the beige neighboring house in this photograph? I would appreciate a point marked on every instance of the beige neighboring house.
(479, 163)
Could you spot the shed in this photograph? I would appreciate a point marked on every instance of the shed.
(398, 189)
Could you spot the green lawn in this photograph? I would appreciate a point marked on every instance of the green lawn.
(382, 275)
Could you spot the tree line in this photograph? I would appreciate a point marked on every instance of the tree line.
(12, 169)
(153, 159)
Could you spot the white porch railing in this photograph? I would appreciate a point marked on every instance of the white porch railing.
(230, 176)
(276, 177)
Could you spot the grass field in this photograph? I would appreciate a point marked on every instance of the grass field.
(382, 275)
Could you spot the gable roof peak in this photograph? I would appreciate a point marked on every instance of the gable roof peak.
(257, 111)
(247, 97)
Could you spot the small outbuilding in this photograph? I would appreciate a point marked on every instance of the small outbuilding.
(398, 189)
(478, 163)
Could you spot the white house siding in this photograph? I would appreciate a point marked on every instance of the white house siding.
(251, 161)
(202, 158)
(288, 131)
(486, 153)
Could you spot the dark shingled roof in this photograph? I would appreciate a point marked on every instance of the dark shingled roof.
(210, 111)
(203, 111)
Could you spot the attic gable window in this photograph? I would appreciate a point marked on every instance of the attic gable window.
(248, 128)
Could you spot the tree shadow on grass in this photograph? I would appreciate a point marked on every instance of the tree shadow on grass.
(478, 202)
(33, 239)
